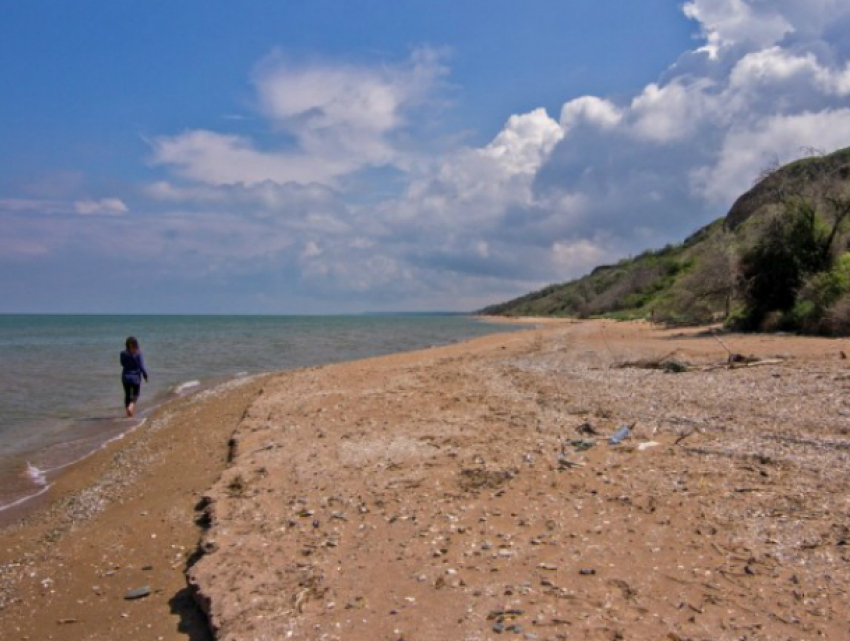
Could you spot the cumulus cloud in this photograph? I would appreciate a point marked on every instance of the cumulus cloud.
(729, 22)
(780, 136)
(346, 110)
(549, 199)
(591, 110)
(342, 118)
(769, 80)
(763, 23)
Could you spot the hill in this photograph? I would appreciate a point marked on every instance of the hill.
(765, 265)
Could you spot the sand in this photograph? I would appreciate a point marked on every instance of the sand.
(453, 493)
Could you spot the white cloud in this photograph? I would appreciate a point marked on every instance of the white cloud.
(102, 207)
(222, 159)
(577, 255)
(546, 200)
(782, 137)
(483, 181)
(524, 143)
(730, 22)
(265, 195)
(673, 111)
(342, 118)
(775, 67)
(592, 110)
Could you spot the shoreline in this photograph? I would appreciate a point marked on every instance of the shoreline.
(121, 518)
(34, 537)
(27, 506)
(65, 570)
(30, 464)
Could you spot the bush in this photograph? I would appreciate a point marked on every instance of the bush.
(836, 321)
(792, 248)
(818, 295)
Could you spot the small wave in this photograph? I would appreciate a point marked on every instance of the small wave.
(24, 499)
(102, 446)
(36, 475)
(185, 386)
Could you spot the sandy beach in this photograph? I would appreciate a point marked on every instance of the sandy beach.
(466, 492)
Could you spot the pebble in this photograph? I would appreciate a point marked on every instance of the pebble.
(137, 593)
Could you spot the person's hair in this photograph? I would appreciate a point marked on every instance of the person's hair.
(131, 343)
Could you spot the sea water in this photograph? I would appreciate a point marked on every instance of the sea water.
(60, 389)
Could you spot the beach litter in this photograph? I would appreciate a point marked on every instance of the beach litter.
(582, 445)
(620, 435)
(647, 445)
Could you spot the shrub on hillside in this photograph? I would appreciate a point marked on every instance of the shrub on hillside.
(792, 248)
(820, 292)
(836, 321)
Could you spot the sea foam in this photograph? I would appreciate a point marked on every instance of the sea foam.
(36, 475)
(185, 386)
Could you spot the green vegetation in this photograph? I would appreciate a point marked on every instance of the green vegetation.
(778, 261)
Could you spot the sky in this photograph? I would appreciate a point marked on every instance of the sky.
(344, 156)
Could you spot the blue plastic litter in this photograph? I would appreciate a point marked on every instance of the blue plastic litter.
(619, 436)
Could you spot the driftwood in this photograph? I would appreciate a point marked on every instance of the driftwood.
(744, 364)
(756, 363)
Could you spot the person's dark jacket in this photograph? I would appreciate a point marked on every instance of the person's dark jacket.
(133, 368)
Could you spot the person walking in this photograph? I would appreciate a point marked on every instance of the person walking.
(132, 372)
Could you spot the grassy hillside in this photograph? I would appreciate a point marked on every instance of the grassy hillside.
(714, 274)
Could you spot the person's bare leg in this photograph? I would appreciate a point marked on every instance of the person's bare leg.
(131, 408)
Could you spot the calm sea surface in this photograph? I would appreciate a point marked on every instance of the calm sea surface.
(60, 389)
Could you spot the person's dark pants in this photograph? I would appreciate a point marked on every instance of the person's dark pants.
(131, 392)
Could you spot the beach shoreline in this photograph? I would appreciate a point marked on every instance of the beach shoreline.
(122, 516)
(51, 421)
(65, 571)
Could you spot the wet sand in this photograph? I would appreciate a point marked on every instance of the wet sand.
(450, 494)
(121, 519)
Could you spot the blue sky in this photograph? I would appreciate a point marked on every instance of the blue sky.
(339, 156)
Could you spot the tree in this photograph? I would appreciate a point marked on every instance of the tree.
(793, 246)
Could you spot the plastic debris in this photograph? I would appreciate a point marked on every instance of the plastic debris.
(620, 435)
(647, 445)
(581, 445)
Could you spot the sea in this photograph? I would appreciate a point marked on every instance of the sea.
(60, 390)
